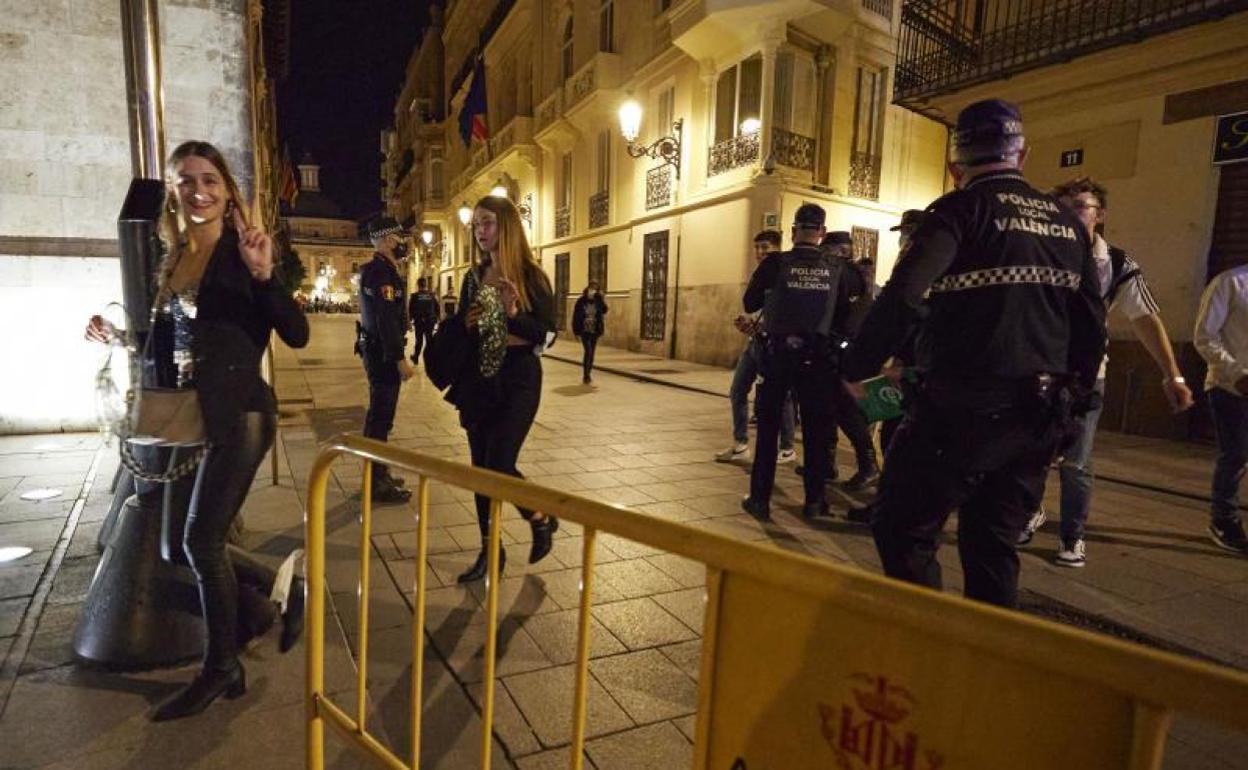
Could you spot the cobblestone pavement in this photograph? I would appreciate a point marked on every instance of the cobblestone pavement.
(644, 445)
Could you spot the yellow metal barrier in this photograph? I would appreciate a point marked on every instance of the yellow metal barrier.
(806, 663)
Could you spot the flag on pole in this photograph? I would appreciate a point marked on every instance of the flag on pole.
(289, 185)
(472, 116)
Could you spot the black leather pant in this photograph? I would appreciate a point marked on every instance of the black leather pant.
(496, 439)
(590, 343)
(224, 478)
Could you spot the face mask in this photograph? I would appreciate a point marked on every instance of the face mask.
(400, 252)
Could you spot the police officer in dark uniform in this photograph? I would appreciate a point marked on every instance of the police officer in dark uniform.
(1009, 349)
(802, 296)
(381, 342)
(425, 313)
(839, 245)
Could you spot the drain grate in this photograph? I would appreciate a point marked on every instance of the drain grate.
(294, 401)
(312, 361)
(659, 371)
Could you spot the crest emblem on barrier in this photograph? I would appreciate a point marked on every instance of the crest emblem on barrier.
(870, 733)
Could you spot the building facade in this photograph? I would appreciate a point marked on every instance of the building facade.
(65, 165)
(773, 103)
(327, 242)
(1130, 93)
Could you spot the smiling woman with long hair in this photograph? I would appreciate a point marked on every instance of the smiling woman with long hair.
(508, 307)
(216, 305)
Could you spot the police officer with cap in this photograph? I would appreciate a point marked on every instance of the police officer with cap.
(1008, 351)
(801, 294)
(382, 340)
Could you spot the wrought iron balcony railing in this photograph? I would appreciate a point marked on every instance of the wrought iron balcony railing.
(599, 208)
(563, 221)
(658, 187)
(864, 176)
(947, 45)
(733, 153)
(792, 149)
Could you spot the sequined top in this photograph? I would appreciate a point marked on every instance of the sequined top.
(182, 309)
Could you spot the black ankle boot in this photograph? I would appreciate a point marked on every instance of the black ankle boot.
(481, 565)
(543, 531)
(207, 686)
(292, 618)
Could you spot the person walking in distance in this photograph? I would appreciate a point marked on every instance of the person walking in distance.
(1122, 285)
(1009, 350)
(801, 294)
(381, 341)
(507, 306)
(425, 312)
(589, 323)
(217, 303)
(1221, 338)
(766, 242)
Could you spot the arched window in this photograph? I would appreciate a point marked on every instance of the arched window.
(565, 63)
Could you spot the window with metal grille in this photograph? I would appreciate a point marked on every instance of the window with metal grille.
(562, 275)
(868, 110)
(654, 286)
(598, 267)
(606, 26)
(866, 249)
(565, 60)
(604, 160)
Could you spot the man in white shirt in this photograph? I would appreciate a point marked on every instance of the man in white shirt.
(1125, 292)
(1221, 338)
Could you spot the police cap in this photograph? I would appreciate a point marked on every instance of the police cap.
(838, 238)
(380, 227)
(987, 131)
(809, 216)
(911, 219)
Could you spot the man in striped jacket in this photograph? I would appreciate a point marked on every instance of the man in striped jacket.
(1125, 292)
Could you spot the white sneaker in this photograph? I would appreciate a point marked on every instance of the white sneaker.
(1072, 554)
(738, 452)
(1034, 523)
(786, 456)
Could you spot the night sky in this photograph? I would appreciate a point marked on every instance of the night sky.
(347, 61)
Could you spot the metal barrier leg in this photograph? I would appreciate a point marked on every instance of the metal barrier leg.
(1148, 741)
(580, 704)
(366, 525)
(418, 622)
(491, 633)
(314, 538)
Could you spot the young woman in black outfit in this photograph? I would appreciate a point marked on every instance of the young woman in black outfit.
(215, 307)
(498, 400)
(588, 324)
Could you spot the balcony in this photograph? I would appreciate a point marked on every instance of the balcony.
(736, 152)
(599, 209)
(948, 45)
(563, 221)
(864, 176)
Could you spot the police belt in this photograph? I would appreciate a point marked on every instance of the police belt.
(989, 393)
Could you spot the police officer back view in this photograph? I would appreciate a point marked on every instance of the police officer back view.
(803, 294)
(382, 339)
(1014, 334)
(425, 314)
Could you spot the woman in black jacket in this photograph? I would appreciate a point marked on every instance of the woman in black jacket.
(508, 308)
(588, 324)
(216, 304)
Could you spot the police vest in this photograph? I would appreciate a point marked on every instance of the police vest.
(803, 298)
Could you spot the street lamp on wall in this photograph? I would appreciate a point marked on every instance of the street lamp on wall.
(665, 148)
(465, 214)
